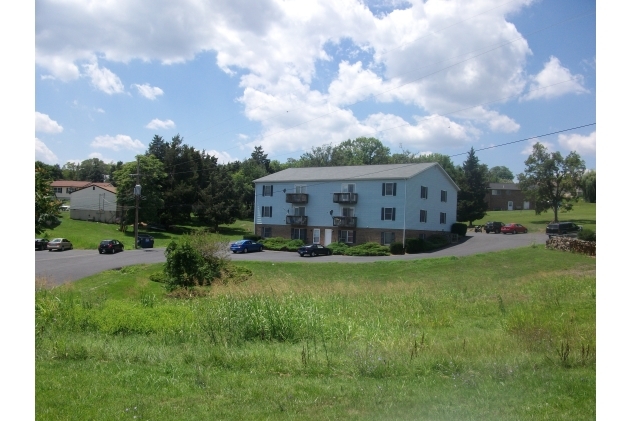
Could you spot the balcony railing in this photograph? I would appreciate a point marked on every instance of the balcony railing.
(295, 220)
(345, 221)
(296, 197)
(345, 198)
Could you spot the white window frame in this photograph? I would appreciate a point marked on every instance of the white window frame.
(266, 211)
(300, 188)
(316, 235)
(385, 214)
(267, 190)
(348, 188)
(348, 211)
(300, 211)
(385, 190)
(344, 235)
(391, 238)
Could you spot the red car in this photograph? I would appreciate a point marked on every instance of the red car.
(514, 228)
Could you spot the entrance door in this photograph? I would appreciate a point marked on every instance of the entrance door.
(510, 205)
(328, 233)
(526, 205)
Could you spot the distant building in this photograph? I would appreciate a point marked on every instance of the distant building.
(505, 196)
(94, 202)
(356, 204)
(63, 188)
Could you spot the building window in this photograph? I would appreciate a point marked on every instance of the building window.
(267, 212)
(495, 192)
(348, 188)
(346, 236)
(388, 214)
(443, 195)
(387, 238)
(267, 232)
(507, 192)
(423, 215)
(299, 211)
(300, 189)
(268, 190)
(58, 189)
(388, 189)
(299, 234)
(316, 236)
(349, 212)
(423, 192)
(443, 218)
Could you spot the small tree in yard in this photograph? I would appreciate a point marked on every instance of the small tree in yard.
(47, 207)
(472, 183)
(195, 260)
(550, 180)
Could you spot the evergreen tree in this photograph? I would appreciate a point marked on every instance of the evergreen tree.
(472, 183)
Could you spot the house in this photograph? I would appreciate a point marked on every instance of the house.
(505, 196)
(355, 204)
(63, 188)
(94, 202)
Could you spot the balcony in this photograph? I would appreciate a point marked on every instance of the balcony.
(348, 198)
(345, 221)
(296, 197)
(295, 220)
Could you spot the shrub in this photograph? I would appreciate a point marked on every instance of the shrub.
(282, 244)
(397, 248)
(338, 248)
(459, 228)
(368, 249)
(413, 245)
(294, 245)
(587, 235)
(194, 260)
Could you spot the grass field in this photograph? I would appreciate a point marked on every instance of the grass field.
(501, 336)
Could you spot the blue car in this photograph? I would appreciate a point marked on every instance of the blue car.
(245, 246)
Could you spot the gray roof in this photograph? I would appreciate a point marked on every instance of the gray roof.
(349, 173)
(504, 186)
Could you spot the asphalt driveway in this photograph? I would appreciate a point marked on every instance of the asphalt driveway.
(70, 265)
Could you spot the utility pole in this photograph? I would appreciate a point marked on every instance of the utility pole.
(137, 194)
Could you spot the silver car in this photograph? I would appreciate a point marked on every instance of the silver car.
(59, 244)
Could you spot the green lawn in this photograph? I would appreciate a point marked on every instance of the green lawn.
(88, 235)
(582, 214)
(501, 336)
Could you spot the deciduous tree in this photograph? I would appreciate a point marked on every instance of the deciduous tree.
(47, 207)
(550, 180)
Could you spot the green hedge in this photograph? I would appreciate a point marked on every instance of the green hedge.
(413, 245)
(459, 228)
(397, 248)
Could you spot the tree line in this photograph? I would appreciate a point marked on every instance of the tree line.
(180, 182)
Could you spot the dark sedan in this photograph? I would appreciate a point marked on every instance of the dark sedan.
(41, 243)
(245, 246)
(313, 250)
(110, 246)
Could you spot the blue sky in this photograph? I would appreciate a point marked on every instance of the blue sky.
(436, 76)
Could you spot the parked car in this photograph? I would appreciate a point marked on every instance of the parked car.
(313, 250)
(145, 241)
(563, 228)
(245, 246)
(41, 243)
(59, 244)
(110, 246)
(493, 226)
(514, 228)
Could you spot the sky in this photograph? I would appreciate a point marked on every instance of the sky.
(440, 76)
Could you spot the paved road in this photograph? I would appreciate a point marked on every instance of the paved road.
(70, 265)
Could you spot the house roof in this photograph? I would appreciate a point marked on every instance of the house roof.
(77, 184)
(503, 186)
(105, 186)
(349, 173)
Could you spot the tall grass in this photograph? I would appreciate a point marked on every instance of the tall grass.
(482, 337)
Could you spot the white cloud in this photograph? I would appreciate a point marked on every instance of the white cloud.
(222, 157)
(554, 81)
(156, 124)
(42, 153)
(148, 91)
(44, 124)
(117, 142)
(528, 149)
(580, 144)
(103, 79)
(101, 157)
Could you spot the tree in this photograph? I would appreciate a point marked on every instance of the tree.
(47, 206)
(588, 184)
(550, 180)
(152, 176)
(500, 174)
(93, 170)
(360, 151)
(54, 171)
(472, 183)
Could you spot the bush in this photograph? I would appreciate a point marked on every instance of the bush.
(338, 248)
(397, 248)
(368, 249)
(195, 260)
(294, 245)
(275, 243)
(459, 228)
(413, 245)
(587, 235)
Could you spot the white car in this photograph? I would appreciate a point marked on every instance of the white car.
(59, 244)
